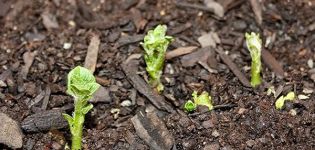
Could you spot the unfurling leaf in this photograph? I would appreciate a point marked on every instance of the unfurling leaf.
(81, 83)
(155, 44)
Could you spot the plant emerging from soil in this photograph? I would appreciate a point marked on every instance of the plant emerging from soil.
(254, 44)
(155, 44)
(81, 85)
(280, 101)
(203, 99)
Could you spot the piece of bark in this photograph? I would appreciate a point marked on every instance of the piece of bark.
(44, 121)
(199, 55)
(180, 51)
(272, 63)
(179, 29)
(227, 60)
(125, 40)
(152, 130)
(92, 52)
(130, 69)
(46, 98)
(256, 6)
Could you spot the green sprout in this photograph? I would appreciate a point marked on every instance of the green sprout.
(81, 85)
(254, 43)
(203, 99)
(155, 45)
(280, 101)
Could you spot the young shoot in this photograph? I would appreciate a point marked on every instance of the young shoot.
(81, 85)
(280, 101)
(155, 44)
(254, 43)
(203, 99)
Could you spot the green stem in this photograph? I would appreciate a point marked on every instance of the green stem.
(78, 120)
(255, 72)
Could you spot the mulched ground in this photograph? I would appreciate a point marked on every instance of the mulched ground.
(41, 41)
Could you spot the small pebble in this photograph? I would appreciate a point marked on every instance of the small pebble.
(67, 45)
(310, 63)
(293, 112)
(126, 103)
(303, 97)
(215, 133)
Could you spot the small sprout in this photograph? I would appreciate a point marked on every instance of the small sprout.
(155, 45)
(81, 85)
(190, 106)
(254, 43)
(203, 99)
(280, 101)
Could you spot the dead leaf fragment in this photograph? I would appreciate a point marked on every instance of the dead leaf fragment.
(28, 58)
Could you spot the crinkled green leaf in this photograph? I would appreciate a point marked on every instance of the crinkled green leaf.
(190, 106)
(81, 83)
(254, 44)
(281, 100)
(290, 96)
(203, 99)
(155, 44)
(280, 103)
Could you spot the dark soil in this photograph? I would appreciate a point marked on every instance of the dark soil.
(249, 122)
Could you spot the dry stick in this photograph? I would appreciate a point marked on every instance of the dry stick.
(130, 69)
(180, 51)
(91, 56)
(256, 6)
(272, 63)
(227, 60)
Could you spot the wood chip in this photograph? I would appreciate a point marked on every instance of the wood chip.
(152, 130)
(256, 6)
(101, 95)
(272, 63)
(179, 29)
(137, 19)
(207, 40)
(227, 60)
(28, 58)
(142, 87)
(180, 51)
(215, 6)
(92, 52)
(49, 20)
(198, 7)
(125, 40)
(46, 98)
(44, 121)
(199, 55)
